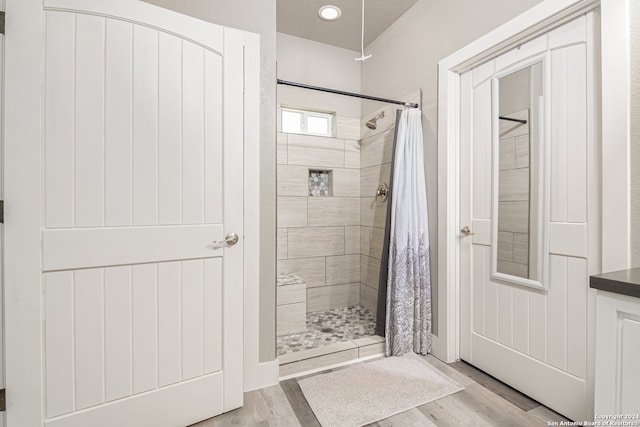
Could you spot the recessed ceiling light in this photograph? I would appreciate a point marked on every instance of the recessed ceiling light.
(329, 12)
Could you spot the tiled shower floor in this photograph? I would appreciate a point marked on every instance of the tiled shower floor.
(329, 327)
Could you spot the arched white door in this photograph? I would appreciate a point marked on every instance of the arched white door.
(122, 311)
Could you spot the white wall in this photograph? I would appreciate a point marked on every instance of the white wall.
(317, 64)
(634, 49)
(257, 16)
(405, 58)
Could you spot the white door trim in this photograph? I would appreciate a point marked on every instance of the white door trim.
(256, 374)
(615, 131)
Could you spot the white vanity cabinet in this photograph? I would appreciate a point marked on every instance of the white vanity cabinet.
(617, 381)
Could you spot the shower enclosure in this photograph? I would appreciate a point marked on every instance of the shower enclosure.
(330, 240)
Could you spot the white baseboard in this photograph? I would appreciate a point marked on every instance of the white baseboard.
(262, 375)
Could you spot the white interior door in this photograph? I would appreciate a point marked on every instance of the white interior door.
(139, 316)
(534, 339)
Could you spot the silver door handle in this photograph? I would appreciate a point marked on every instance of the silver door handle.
(229, 240)
(466, 231)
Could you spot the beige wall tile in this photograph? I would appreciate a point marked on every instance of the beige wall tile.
(348, 127)
(332, 211)
(368, 340)
(345, 182)
(316, 241)
(379, 149)
(522, 152)
(318, 362)
(291, 318)
(289, 294)
(352, 240)
(292, 211)
(507, 153)
(343, 269)
(505, 246)
(328, 297)
(282, 148)
(373, 176)
(371, 240)
(369, 298)
(372, 212)
(315, 151)
(513, 216)
(513, 185)
(317, 351)
(351, 154)
(311, 270)
(371, 349)
(513, 269)
(293, 181)
(281, 246)
(521, 248)
(370, 271)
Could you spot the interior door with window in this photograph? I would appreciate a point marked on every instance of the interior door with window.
(529, 216)
(138, 178)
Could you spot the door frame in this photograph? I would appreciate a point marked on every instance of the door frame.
(23, 182)
(613, 112)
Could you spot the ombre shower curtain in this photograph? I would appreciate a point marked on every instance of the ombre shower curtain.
(408, 305)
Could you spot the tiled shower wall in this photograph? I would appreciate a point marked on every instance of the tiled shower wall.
(319, 237)
(375, 161)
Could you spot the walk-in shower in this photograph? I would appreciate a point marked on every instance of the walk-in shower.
(331, 226)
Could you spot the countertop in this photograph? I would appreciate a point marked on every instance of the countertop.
(624, 282)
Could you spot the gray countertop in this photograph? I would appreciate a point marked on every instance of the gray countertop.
(624, 282)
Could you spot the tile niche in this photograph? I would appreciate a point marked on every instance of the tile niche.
(319, 183)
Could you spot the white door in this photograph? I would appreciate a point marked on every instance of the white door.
(122, 309)
(528, 195)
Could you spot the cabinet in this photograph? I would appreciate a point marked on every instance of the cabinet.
(617, 381)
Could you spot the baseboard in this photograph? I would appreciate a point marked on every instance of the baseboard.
(335, 365)
(262, 375)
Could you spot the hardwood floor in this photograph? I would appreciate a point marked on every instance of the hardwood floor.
(485, 401)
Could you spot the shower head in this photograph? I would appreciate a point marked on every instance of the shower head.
(371, 124)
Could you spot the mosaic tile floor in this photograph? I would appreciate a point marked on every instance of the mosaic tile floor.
(329, 327)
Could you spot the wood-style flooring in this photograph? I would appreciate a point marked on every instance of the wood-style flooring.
(485, 401)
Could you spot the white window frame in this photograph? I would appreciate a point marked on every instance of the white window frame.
(305, 114)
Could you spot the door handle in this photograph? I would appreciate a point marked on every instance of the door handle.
(229, 240)
(466, 231)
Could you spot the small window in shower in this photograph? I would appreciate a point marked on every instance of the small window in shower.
(307, 122)
(319, 183)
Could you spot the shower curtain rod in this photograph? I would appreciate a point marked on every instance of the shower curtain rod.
(341, 92)
(524, 122)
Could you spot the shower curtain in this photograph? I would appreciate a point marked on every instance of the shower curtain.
(408, 317)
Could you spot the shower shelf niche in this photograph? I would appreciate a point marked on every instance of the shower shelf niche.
(319, 183)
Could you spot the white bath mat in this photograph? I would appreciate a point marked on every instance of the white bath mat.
(373, 391)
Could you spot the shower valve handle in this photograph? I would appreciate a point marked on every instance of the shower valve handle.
(382, 192)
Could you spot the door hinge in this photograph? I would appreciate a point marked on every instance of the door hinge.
(1, 211)
(1, 22)
(3, 403)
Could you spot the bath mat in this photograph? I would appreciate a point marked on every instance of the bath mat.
(369, 392)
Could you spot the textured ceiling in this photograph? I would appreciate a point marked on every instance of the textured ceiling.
(300, 18)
